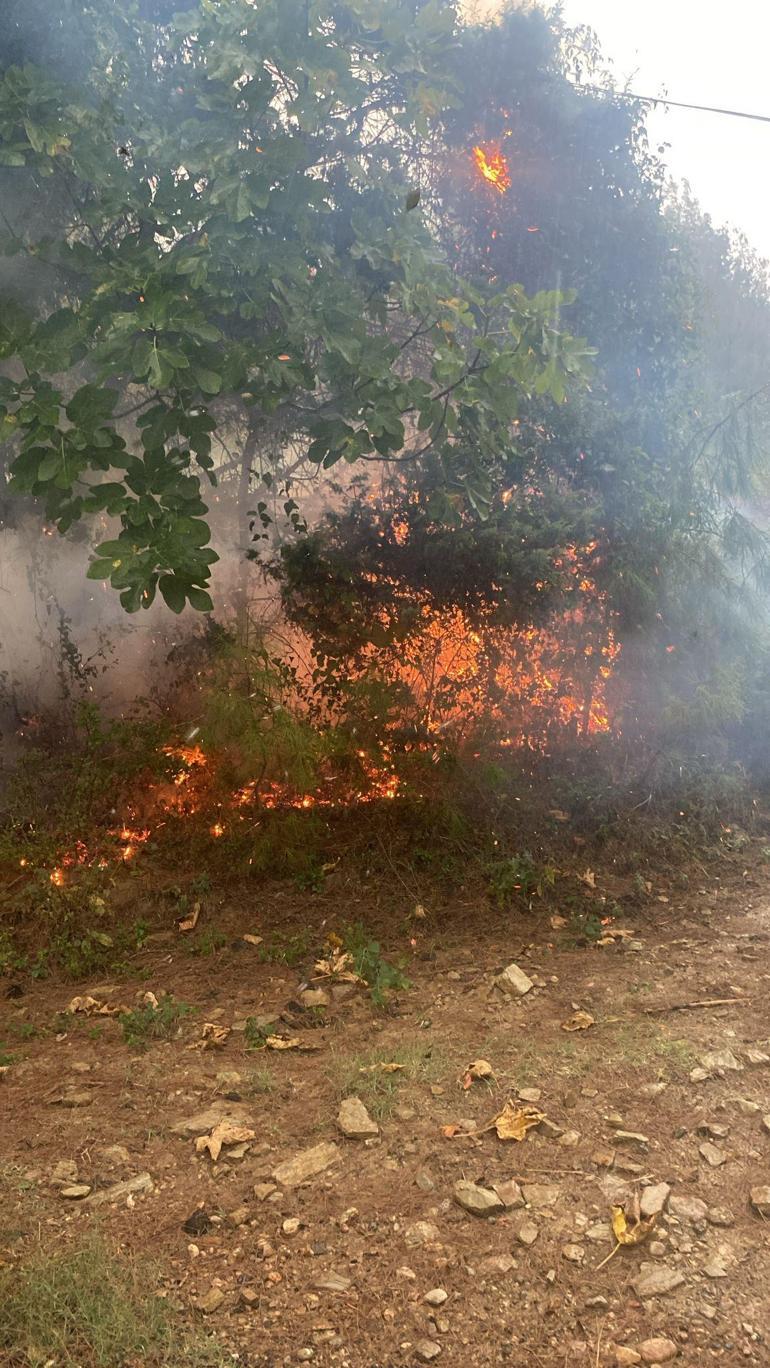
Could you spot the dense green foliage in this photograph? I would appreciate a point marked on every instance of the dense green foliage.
(225, 235)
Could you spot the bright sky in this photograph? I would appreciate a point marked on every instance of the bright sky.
(716, 54)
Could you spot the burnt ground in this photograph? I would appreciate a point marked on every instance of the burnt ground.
(336, 1270)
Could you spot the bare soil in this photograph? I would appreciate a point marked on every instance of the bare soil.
(347, 1285)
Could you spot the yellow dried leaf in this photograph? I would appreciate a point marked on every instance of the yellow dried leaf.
(450, 1131)
(579, 1021)
(557, 923)
(626, 1234)
(91, 1006)
(252, 940)
(479, 1068)
(337, 964)
(225, 1133)
(381, 1068)
(213, 1036)
(588, 878)
(190, 923)
(275, 1042)
(150, 1000)
(513, 1122)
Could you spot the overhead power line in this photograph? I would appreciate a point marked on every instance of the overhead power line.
(677, 104)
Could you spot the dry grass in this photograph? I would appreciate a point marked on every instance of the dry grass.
(359, 1075)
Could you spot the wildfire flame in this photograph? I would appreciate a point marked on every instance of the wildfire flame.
(492, 166)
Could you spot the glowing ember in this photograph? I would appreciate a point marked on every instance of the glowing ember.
(493, 166)
(217, 829)
(57, 877)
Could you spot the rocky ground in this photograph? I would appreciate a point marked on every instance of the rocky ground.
(301, 1225)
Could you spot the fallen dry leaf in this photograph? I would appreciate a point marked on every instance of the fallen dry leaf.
(579, 1021)
(632, 1234)
(480, 1068)
(213, 1036)
(450, 1131)
(336, 964)
(513, 1122)
(225, 1133)
(558, 815)
(91, 1006)
(252, 940)
(150, 1000)
(190, 923)
(382, 1068)
(588, 878)
(276, 1042)
(557, 923)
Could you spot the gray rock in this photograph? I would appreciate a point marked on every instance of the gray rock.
(264, 1190)
(354, 1120)
(114, 1154)
(691, 1210)
(570, 1139)
(76, 1192)
(573, 1253)
(314, 997)
(655, 1280)
(333, 1282)
(498, 1263)
(65, 1173)
(715, 1268)
(625, 1357)
(530, 1094)
(760, 1199)
(712, 1154)
(422, 1233)
(436, 1297)
(720, 1216)
(653, 1200)
(541, 1194)
(527, 1232)
(653, 1089)
(757, 1057)
(747, 1107)
(404, 1112)
(76, 1099)
(658, 1350)
(635, 1138)
(599, 1233)
(427, 1350)
(510, 1194)
(478, 1200)
(514, 981)
(142, 1182)
(766, 1121)
(307, 1164)
(718, 1061)
(210, 1301)
(424, 1180)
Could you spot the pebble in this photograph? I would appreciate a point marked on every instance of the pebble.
(654, 1280)
(713, 1155)
(510, 1194)
(142, 1182)
(541, 1194)
(599, 1232)
(424, 1181)
(720, 1216)
(307, 1164)
(514, 981)
(573, 1253)
(264, 1190)
(477, 1200)
(570, 1139)
(530, 1094)
(427, 1350)
(76, 1192)
(653, 1089)
(755, 1057)
(766, 1121)
(658, 1350)
(625, 1357)
(527, 1233)
(210, 1301)
(354, 1120)
(314, 997)
(746, 1107)
(597, 1304)
(498, 1263)
(404, 1112)
(719, 1060)
(689, 1209)
(291, 1225)
(624, 1137)
(64, 1173)
(422, 1233)
(436, 1297)
(760, 1200)
(653, 1200)
(715, 1268)
(333, 1282)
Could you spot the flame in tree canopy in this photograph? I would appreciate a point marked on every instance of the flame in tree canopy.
(492, 166)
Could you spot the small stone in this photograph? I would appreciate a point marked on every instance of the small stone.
(691, 1210)
(717, 1061)
(720, 1216)
(239, 1216)
(625, 1357)
(422, 1233)
(532, 1095)
(713, 1130)
(573, 1253)
(603, 1158)
(291, 1225)
(477, 1200)
(766, 1121)
(597, 1304)
(404, 1113)
(306, 1354)
(424, 1181)
(652, 1089)
(599, 1232)
(653, 1200)
(527, 1233)
(228, 1079)
(658, 1350)
(264, 1190)
(204, 1121)
(141, 1183)
(760, 1200)
(210, 1301)
(76, 1099)
(635, 1138)
(624, 1165)
(569, 1139)
(114, 1154)
(307, 1164)
(510, 1194)
(541, 1194)
(427, 1350)
(76, 1192)
(713, 1155)
(514, 981)
(747, 1107)
(250, 1296)
(354, 1120)
(756, 1057)
(715, 1268)
(333, 1282)
(657, 1249)
(498, 1263)
(656, 1281)
(314, 998)
(65, 1173)
(699, 1075)
(436, 1297)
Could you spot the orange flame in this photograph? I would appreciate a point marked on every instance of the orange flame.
(492, 166)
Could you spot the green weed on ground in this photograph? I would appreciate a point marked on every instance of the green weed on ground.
(363, 1075)
(148, 1023)
(86, 1308)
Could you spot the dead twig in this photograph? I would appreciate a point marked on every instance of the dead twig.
(701, 1002)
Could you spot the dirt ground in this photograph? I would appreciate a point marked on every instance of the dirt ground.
(371, 1262)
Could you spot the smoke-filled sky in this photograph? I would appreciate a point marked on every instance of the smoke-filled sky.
(713, 54)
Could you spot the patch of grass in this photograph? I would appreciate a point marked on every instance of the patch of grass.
(519, 877)
(148, 1023)
(260, 1081)
(255, 1035)
(379, 975)
(5, 1058)
(285, 949)
(86, 1308)
(25, 1030)
(207, 943)
(378, 1089)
